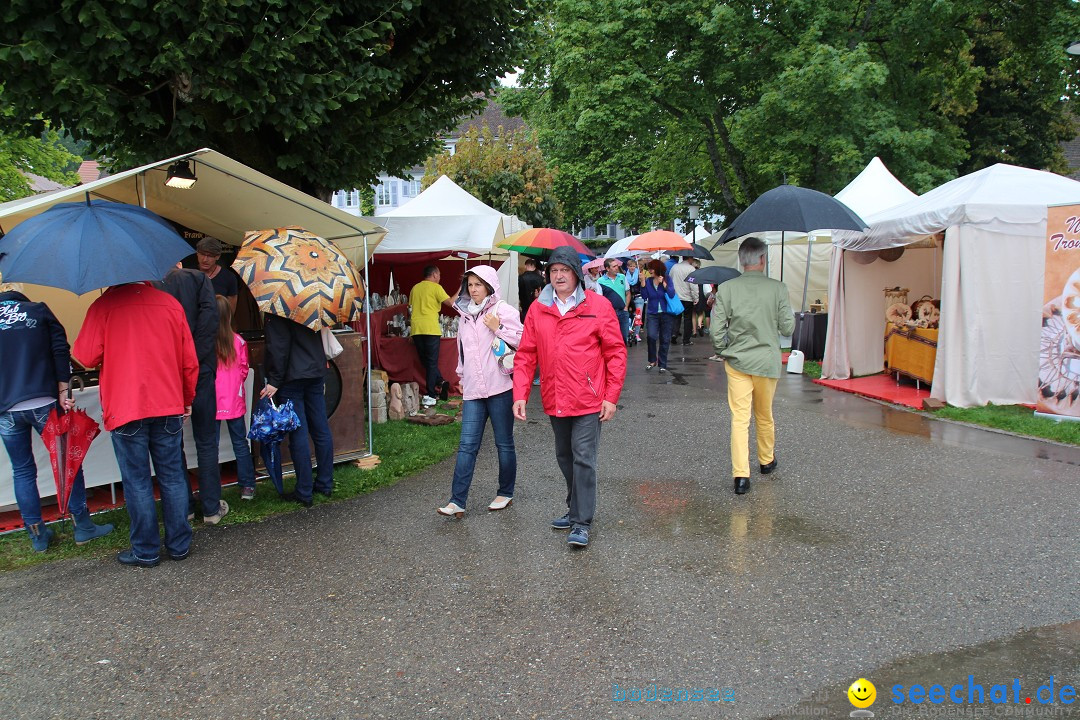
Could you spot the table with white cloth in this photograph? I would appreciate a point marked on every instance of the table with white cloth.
(99, 467)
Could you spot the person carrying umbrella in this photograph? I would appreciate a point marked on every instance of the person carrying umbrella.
(37, 369)
(750, 314)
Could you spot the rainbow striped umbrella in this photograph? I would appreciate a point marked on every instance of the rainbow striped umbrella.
(539, 242)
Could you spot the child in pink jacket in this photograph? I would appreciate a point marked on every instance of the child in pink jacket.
(232, 372)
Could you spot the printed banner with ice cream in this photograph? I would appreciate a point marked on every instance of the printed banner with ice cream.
(1059, 346)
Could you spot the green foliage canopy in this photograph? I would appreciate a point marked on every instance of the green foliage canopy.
(22, 152)
(505, 170)
(640, 102)
(319, 95)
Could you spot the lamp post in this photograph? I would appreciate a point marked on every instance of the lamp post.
(692, 213)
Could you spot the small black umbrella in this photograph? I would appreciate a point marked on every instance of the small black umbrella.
(700, 251)
(794, 209)
(713, 275)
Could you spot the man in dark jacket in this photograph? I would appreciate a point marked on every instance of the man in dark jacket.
(193, 290)
(37, 368)
(295, 369)
(530, 283)
(573, 336)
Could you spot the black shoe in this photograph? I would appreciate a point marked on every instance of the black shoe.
(293, 497)
(444, 390)
(766, 469)
(127, 557)
(688, 342)
(179, 557)
(324, 493)
(742, 486)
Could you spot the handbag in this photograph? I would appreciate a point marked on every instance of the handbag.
(673, 305)
(330, 345)
(504, 353)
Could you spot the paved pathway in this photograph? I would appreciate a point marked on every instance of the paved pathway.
(886, 546)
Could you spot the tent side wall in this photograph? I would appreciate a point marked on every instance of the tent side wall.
(991, 309)
(794, 258)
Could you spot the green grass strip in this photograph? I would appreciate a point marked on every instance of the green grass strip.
(403, 449)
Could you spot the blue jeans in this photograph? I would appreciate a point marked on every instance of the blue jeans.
(309, 402)
(659, 327)
(136, 444)
(15, 430)
(204, 426)
(624, 323)
(245, 469)
(474, 417)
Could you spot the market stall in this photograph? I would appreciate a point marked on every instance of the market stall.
(990, 261)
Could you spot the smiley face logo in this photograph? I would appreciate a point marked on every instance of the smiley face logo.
(862, 693)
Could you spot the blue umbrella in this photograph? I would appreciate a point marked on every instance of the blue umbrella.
(269, 426)
(84, 246)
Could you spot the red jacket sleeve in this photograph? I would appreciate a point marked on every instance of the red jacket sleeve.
(525, 360)
(89, 349)
(613, 350)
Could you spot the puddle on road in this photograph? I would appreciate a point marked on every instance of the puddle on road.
(675, 507)
(1032, 657)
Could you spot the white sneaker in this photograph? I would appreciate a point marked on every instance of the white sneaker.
(428, 401)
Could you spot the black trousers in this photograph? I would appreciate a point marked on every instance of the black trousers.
(427, 347)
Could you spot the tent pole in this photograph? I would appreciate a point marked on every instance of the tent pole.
(367, 332)
(806, 280)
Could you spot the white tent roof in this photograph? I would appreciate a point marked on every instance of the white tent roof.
(228, 200)
(444, 217)
(999, 199)
(873, 190)
(700, 234)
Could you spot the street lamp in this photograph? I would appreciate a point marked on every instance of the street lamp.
(692, 213)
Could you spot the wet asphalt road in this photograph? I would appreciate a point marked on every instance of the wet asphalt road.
(887, 546)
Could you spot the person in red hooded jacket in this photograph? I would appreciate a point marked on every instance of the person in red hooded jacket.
(573, 335)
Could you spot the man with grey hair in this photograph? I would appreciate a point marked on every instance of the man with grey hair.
(688, 293)
(750, 314)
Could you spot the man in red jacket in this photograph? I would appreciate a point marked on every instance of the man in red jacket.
(574, 337)
(140, 338)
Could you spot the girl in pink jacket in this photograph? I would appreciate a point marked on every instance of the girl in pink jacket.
(232, 372)
(486, 321)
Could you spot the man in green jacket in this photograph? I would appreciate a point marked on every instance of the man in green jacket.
(750, 315)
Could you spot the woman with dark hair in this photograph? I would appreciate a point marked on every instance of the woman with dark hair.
(656, 292)
(232, 372)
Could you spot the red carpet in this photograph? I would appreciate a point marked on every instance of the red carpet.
(882, 387)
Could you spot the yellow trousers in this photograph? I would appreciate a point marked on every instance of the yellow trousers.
(745, 392)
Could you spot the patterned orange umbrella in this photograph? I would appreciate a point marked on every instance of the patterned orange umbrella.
(297, 275)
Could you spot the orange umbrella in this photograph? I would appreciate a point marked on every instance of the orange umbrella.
(297, 275)
(656, 240)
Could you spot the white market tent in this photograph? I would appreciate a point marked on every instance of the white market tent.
(443, 218)
(871, 191)
(991, 270)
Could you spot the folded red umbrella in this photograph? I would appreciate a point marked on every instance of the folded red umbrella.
(67, 437)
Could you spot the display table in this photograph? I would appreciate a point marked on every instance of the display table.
(911, 352)
(397, 355)
(99, 467)
(809, 335)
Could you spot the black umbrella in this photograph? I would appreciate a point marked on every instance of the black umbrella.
(700, 251)
(795, 209)
(712, 275)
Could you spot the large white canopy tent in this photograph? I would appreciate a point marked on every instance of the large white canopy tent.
(228, 199)
(991, 270)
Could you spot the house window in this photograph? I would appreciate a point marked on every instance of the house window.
(382, 193)
(352, 199)
(412, 189)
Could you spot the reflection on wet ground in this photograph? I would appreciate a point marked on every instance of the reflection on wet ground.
(1035, 657)
(856, 411)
